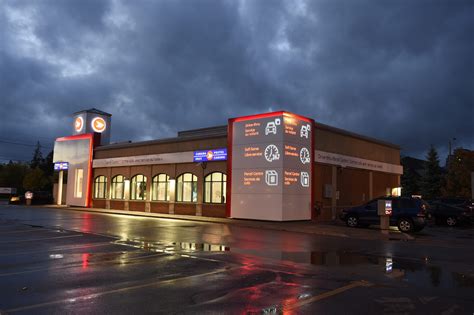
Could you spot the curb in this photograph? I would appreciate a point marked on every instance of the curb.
(316, 229)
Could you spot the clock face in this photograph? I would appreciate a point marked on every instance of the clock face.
(304, 156)
(271, 153)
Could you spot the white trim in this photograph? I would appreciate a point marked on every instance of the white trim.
(350, 161)
(164, 158)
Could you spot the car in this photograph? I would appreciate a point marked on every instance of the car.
(452, 211)
(408, 214)
(39, 198)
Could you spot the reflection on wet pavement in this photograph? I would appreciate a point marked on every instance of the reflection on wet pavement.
(420, 273)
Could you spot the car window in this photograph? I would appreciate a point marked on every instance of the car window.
(396, 204)
(407, 203)
(371, 205)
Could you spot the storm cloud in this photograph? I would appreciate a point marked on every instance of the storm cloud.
(401, 71)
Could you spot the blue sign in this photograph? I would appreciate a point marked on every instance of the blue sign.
(60, 166)
(210, 155)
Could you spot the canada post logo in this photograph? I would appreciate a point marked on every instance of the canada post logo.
(98, 124)
(78, 124)
(210, 155)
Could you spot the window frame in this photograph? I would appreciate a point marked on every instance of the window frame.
(134, 192)
(180, 184)
(208, 181)
(155, 187)
(97, 184)
(113, 185)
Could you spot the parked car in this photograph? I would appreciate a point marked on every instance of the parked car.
(39, 198)
(408, 214)
(452, 211)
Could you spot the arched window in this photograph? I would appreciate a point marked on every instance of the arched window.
(215, 187)
(138, 187)
(160, 187)
(186, 188)
(100, 187)
(117, 187)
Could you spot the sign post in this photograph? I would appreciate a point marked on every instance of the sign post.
(384, 210)
(28, 197)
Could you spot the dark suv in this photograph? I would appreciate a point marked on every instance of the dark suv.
(407, 213)
(452, 211)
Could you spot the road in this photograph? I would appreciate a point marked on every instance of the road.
(63, 261)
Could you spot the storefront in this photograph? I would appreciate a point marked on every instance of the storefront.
(273, 166)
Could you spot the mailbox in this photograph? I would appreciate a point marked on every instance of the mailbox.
(384, 207)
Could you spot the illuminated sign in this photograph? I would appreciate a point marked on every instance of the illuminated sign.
(388, 207)
(98, 124)
(60, 166)
(271, 167)
(210, 155)
(78, 124)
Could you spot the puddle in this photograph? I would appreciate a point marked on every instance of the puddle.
(413, 271)
(173, 247)
(418, 272)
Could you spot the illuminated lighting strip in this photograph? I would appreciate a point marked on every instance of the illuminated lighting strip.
(271, 114)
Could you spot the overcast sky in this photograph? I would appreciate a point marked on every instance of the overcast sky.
(401, 71)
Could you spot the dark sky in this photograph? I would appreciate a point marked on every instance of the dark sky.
(401, 71)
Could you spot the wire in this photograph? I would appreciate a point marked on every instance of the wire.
(25, 144)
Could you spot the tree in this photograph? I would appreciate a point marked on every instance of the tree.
(37, 157)
(409, 182)
(35, 180)
(12, 175)
(458, 177)
(432, 180)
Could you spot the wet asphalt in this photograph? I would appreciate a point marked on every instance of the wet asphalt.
(58, 261)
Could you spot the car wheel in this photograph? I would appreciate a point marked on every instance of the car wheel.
(352, 221)
(405, 225)
(451, 221)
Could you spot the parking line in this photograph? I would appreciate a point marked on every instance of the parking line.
(325, 295)
(41, 239)
(59, 249)
(78, 265)
(120, 290)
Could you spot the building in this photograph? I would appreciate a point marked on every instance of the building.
(274, 166)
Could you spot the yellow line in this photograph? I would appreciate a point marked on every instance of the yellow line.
(326, 295)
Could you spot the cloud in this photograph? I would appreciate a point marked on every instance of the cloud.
(398, 71)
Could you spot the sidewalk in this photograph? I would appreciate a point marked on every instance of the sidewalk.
(325, 229)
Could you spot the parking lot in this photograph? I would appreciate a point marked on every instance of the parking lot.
(62, 261)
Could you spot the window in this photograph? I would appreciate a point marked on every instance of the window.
(116, 188)
(138, 187)
(160, 187)
(78, 180)
(186, 188)
(215, 188)
(100, 187)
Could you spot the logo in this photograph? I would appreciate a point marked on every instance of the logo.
(271, 177)
(304, 179)
(78, 124)
(209, 155)
(272, 127)
(304, 132)
(98, 124)
(271, 153)
(304, 156)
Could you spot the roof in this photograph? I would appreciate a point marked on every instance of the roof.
(221, 131)
(355, 135)
(94, 111)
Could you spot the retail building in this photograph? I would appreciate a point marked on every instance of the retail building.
(274, 166)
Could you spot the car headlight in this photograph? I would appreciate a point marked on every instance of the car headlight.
(15, 199)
